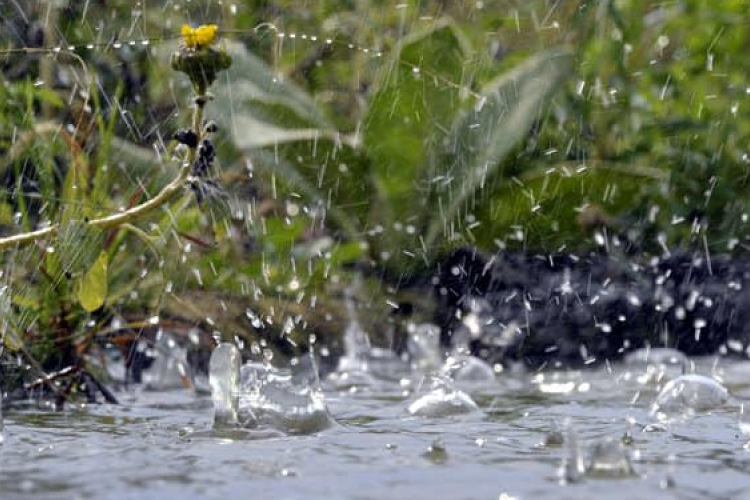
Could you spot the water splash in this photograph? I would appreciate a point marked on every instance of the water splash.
(362, 364)
(608, 457)
(573, 466)
(170, 369)
(258, 395)
(441, 399)
(605, 457)
(224, 371)
(688, 394)
(269, 397)
(424, 349)
(467, 369)
(2, 438)
(356, 341)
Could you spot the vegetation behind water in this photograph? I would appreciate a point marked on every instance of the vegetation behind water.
(422, 127)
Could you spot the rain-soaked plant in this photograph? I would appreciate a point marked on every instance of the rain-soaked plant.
(57, 300)
(438, 125)
(618, 118)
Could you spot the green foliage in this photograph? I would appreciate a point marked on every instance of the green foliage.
(92, 288)
(430, 142)
(498, 127)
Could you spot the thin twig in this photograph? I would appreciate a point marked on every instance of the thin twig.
(130, 215)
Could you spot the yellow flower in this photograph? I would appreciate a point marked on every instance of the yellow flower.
(202, 36)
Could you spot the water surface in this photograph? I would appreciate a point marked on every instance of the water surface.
(162, 445)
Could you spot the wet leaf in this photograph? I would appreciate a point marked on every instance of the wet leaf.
(410, 112)
(11, 340)
(256, 90)
(92, 290)
(6, 214)
(482, 136)
(253, 133)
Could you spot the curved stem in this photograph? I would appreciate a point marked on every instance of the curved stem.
(132, 214)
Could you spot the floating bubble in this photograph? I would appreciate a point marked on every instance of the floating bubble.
(689, 393)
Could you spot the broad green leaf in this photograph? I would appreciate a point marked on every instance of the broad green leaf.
(346, 253)
(49, 96)
(482, 136)
(253, 134)
(92, 289)
(254, 90)
(543, 208)
(279, 236)
(410, 113)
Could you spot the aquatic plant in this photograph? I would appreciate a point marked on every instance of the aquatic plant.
(54, 322)
(408, 134)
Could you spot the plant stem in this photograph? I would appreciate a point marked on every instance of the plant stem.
(137, 212)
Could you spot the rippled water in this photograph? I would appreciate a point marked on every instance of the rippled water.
(162, 445)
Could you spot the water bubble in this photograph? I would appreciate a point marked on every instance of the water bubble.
(441, 400)
(687, 394)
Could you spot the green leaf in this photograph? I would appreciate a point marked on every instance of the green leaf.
(254, 133)
(262, 108)
(482, 137)
(11, 340)
(252, 80)
(292, 176)
(144, 237)
(6, 214)
(545, 204)
(92, 289)
(410, 113)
